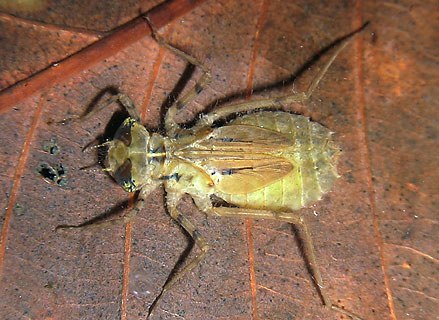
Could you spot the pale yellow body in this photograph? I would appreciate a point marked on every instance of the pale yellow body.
(311, 152)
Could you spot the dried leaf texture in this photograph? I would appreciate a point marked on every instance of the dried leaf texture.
(375, 233)
(401, 81)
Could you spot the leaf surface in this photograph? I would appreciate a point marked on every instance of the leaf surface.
(375, 234)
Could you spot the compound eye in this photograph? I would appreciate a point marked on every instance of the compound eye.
(123, 134)
(123, 176)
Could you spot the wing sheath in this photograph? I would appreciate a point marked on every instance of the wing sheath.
(240, 158)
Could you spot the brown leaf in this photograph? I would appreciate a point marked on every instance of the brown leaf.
(375, 233)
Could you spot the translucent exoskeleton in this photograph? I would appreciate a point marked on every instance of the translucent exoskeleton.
(266, 163)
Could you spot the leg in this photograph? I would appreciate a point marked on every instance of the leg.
(140, 202)
(172, 201)
(170, 125)
(124, 100)
(204, 203)
(296, 219)
(276, 102)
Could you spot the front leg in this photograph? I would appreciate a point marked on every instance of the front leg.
(96, 223)
(124, 100)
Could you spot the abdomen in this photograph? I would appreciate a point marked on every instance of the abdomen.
(313, 154)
